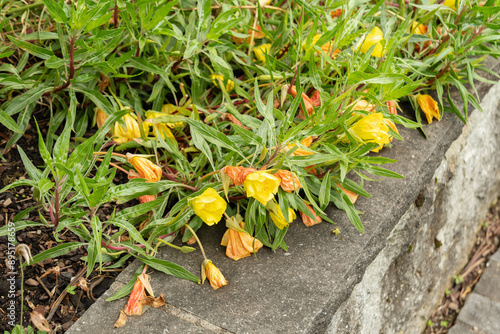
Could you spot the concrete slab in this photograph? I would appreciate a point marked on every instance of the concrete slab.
(460, 328)
(303, 289)
(488, 284)
(481, 313)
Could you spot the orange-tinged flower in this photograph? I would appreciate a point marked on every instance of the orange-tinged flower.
(371, 129)
(373, 38)
(100, 117)
(214, 276)
(209, 206)
(419, 29)
(392, 106)
(336, 13)
(257, 34)
(139, 301)
(239, 244)
(289, 180)
(307, 103)
(325, 47)
(155, 128)
(429, 106)
(136, 299)
(123, 135)
(218, 77)
(261, 50)
(262, 186)
(144, 198)
(309, 221)
(237, 174)
(146, 169)
(316, 99)
(277, 215)
(352, 195)
(301, 152)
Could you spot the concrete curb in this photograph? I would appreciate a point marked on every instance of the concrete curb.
(386, 280)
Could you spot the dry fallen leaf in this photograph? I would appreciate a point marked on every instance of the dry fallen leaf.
(122, 319)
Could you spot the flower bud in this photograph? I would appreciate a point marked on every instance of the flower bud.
(429, 106)
(213, 274)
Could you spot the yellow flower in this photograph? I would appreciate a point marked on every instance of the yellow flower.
(209, 206)
(429, 106)
(261, 50)
(239, 244)
(262, 186)
(371, 129)
(154, 129)
(146, 169)
(215, 79)
(309, 221)
(325, 47)
(264, 2)
(122, 135)
(289, 180)
(451, 4)
(277, 215)
(100, 117)
(214, 275)
(373, 38)
(170, 109)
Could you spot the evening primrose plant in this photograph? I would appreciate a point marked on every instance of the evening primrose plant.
(245, 113)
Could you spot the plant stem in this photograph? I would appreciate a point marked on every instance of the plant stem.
(116, 154)
(197, 240)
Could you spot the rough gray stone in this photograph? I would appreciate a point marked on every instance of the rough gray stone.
(495, 257)
(488, 284)
(397, 273)
(482, 313)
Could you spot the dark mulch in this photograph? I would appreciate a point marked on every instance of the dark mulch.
(487, 242)
(42, 287)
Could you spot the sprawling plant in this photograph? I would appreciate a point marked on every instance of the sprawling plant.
(245, 111)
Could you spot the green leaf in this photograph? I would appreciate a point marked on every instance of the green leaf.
(169, 268)
(55, 11)
(160, 14)
(133, 233)
(55, 252)
(8, 122)
(36, 51)
(17, 226)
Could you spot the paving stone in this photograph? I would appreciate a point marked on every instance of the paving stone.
(482, 313)
(495, 257)
(460, 328)
(488, 284)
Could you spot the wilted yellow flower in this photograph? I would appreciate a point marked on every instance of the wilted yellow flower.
(122, 135)
(309, 221)
(139, 301)
(392, 106)
(419, 29)
(261, 50)
(289, 180)
(262, 186)
(155, 128)
(364, 105)
(214, 275)
(429, 106)
(239, 244)
(100, 117)
(371, 129)
(353, 197)
(237, 174)
(308, 104)
(209, 206)
(146, 169)
(373, 38)
(215, 79)
(325, 47)
(277, 215)
(451, 4)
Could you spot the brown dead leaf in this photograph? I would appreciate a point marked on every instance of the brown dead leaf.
(122, 320)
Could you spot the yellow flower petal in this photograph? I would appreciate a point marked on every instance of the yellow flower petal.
(261, 50)
(371, 129)
(262, 186)
(429, 106)
(373, 38)
(209, 206)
